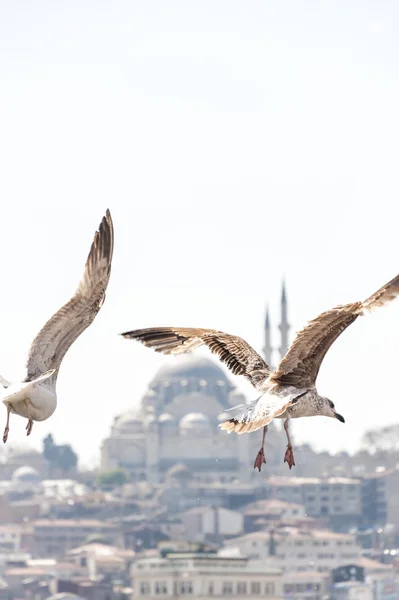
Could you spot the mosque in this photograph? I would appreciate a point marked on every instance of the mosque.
(178, 419)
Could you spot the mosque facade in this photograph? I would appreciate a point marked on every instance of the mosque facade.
(178, 423)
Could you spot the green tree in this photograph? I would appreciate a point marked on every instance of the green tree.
(67, 459)
(112, 478)
(59, 457)
(49, 448)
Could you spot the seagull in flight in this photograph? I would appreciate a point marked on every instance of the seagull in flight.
(289, 392)
(35, 397)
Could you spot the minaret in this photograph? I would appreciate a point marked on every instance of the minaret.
(284, 325)
(267, 350)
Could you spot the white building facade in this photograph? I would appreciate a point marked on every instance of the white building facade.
(299, 550)
(204, 576)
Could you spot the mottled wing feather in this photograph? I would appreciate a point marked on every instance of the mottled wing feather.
(261, 412)
(302, 362)
(233, 351)
(65, 326)
(385, 294)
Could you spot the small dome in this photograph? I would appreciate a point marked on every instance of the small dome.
(194, 421)
(26, 474)
(166, 420)
(129, 422)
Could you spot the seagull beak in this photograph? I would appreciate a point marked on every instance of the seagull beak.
(339, 417)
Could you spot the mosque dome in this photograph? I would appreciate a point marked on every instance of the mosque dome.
(129, 422)
(194, 423)
(26, 474)
(191, 366)
(166, 420)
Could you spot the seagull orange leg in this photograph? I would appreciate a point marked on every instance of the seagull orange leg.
(260, 457)
(30, 421)
(7, 427)
(289, 454)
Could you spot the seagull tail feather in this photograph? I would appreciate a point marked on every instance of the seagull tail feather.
(243, 421)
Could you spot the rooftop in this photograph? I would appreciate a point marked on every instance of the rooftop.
(281, 480)
(68, 523)
(291, 532)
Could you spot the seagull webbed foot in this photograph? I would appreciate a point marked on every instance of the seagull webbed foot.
(289, 457)
(29, 427)
(5, 435)
(260, 459)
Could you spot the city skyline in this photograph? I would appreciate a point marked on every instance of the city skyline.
(234, 144)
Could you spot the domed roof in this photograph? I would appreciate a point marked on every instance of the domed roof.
(166, 419)
(129, 421)
(194, 420)
(26, 474)
(191, 366)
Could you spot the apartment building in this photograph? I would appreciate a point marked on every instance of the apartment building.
(204, 575)
(54, 537)
(299, 550)
(212, 522)
(339, 499)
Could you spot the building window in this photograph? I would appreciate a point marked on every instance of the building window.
(255, 588)
(241, 587)
(269, 589)
(210, 589)
(227, 589)
(161, 588)
(145, 589)
(186, 587)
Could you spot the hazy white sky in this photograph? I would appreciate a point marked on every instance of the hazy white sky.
(235, 143)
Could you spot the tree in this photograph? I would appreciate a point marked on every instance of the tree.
(59, 457)
(67, 459)
(49, 448)
(112, 478)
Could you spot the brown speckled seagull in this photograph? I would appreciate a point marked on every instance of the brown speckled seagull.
(289, 392)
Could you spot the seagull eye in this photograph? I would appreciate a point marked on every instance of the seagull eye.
(331, 404)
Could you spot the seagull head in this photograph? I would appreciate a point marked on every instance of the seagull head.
(329, 410)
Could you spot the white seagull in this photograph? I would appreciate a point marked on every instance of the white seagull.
(290, 390)
(35, 397)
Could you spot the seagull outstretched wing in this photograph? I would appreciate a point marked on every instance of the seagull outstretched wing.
(233, 351)
(301, 364)
(65, 326)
